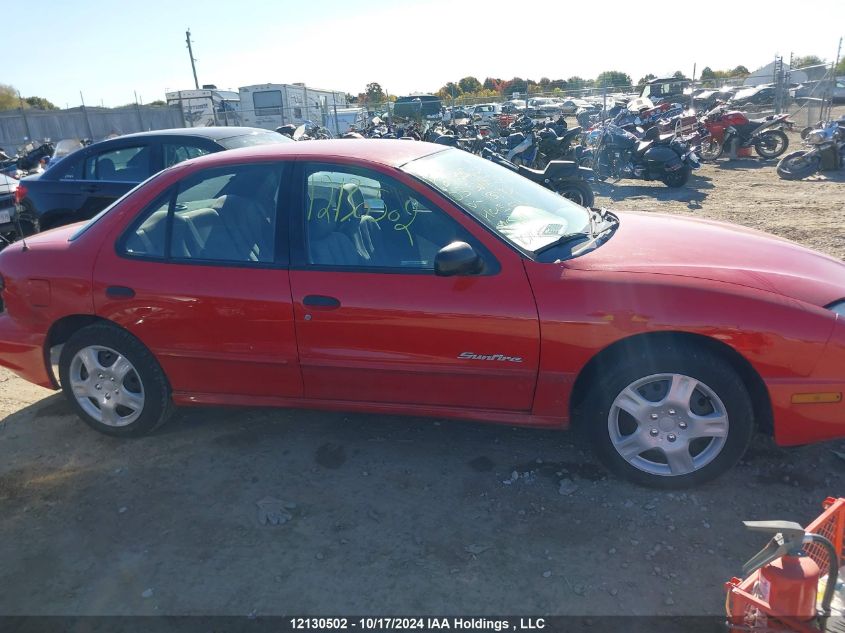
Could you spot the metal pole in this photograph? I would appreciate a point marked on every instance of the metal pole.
(336, 122)
(692, 87)
(191, 55)
(25, 122)
(87, 120)
(182, 110)
(833, 78)
(138, 110)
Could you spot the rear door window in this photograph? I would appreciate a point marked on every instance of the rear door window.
(177, 152)
(219, 215)
(124, 164)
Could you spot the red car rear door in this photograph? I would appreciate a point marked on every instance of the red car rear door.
(200, 277)
(375, 324)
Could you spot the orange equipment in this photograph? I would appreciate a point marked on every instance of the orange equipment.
(781, 584)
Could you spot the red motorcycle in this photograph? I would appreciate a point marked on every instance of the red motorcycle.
(725, 127)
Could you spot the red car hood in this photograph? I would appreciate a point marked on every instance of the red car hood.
(688, 247)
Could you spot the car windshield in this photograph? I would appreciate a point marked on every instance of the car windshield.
(256, 138)
(522, 212)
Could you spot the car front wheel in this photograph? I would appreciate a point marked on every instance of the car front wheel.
(113, 382)
(670, 419)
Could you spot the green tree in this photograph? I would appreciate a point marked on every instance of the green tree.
(374, 93)
(470, 84)
(740, 71)
(576, 83)
(806, 60)
(644, 80)
(39, 103)
(450, 91)
(8, 98)
(679, 75)
(517, 84)
(707, 74)
(157, 102)
(613, 78)
(840, 67)
(491, 83)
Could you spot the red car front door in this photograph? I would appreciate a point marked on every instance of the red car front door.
(375, 324)
(200, 277)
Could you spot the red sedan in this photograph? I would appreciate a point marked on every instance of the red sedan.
(405, 277)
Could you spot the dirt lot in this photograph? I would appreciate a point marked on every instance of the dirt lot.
(393, 515)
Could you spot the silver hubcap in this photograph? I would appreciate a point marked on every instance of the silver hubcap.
(106, 385)
(668, 424)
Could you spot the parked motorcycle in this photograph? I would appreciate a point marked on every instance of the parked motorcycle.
(28, 158)
(725, 127)
(521, 146)
(310, 131)
(554, 147)
(563, 177)
(825, 151)
(618, 153)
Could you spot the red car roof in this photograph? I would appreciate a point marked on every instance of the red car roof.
(390, 152)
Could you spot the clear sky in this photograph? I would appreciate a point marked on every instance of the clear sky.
(107, 49)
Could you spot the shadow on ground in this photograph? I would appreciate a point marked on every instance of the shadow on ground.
(693, 193)
(239, 511)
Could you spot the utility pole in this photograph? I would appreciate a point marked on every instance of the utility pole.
(833, 78)
(191, 55)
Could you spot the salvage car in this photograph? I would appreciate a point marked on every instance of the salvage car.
(402, 277)
(81, 184)
(8, 186)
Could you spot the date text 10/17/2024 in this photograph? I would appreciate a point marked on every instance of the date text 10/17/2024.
(417, 623)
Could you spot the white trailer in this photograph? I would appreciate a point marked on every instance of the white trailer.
(272, 105)
(204, 108)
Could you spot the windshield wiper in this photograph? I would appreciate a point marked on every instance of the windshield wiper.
(564, 239)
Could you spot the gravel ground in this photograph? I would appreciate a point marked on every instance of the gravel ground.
(269, 511)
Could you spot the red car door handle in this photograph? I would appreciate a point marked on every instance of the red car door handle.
(321, 301)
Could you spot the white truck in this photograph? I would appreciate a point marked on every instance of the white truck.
(207, 107)
(270, 106)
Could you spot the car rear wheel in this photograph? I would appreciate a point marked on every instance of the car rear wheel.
(29, 223)
(113, 382)
(670, 419)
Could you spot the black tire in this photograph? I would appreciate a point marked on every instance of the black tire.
(578, 191)
(29, 222)
(772, 144)
(677, 178)
(794, 167)
(711, 149)
(157, 407)
(673, 358)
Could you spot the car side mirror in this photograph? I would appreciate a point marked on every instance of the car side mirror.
(457, 258)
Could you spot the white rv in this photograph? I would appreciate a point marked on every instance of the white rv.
(272, 105)
(207, 107)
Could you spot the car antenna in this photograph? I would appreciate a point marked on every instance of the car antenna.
(24, 247)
